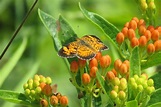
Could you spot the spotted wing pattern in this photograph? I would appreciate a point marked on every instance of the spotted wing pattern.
(94, 42)
(69, 50)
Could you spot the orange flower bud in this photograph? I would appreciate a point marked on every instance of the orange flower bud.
(74, 67)
(123, 69)
(42, 85)
(142, 29)
(110, 75)
(155, 35)
(136, 19)
(93, 71)
(53, 100)
(86, 79)
(142, 41)
(124, 31)
(117, 64)
(98, 56)
(157, 45)
(58, 95)
(131, 33)
(126, 24)
(127, 64)
(151, 48)
(114, 71)
(105, 61)
(64, 101)
(141, 22)
(93, 62)
(159, 29)
(47, 90)
(147, 34)
(134, 42)
(150, 28)
(133, 24)
(120, 38)
(82, 63)
(43, 103)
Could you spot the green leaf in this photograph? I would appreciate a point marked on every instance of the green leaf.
(156, 97)
(155, 59)
(156, 105)
(97, 101)
(132, 103)
(135, 62)
(102, 84)
(109, 29)
(157, 78)
(15, 97)
(60, 30)
(7, 68)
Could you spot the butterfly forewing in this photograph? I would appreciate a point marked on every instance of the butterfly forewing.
(95, 42)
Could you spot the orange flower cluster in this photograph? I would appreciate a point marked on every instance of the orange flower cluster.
(88, 76)
(39, 89)
(121, 69)
(136, 33)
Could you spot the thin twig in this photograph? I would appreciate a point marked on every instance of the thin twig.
(17, 30)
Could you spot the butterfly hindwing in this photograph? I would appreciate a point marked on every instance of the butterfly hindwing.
(85, 52)
(69, 50)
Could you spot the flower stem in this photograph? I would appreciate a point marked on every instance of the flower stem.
(89, 100)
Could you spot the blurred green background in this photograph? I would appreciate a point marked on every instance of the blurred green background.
(39, 56)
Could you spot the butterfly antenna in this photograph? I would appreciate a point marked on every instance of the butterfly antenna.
(18, 29)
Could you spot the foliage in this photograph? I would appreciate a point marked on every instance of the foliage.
(62, 33)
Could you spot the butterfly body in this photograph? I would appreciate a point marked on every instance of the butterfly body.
(84, 48)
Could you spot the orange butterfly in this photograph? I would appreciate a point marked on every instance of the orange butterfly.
(84, 48)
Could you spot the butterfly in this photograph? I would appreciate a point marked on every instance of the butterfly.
(84, 48)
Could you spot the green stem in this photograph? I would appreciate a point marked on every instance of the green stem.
(81, 73)
(89, 100)
(75, 83)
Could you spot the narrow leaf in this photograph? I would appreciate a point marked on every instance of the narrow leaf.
(155, 59)
(156, 105)
(132, 103)
(109, 29)
(135, 62)
(7, 68)
(15, 97)
(60, 30)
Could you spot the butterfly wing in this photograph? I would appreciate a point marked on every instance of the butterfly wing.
(94, 42)
(84, 52)
(69, 50)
